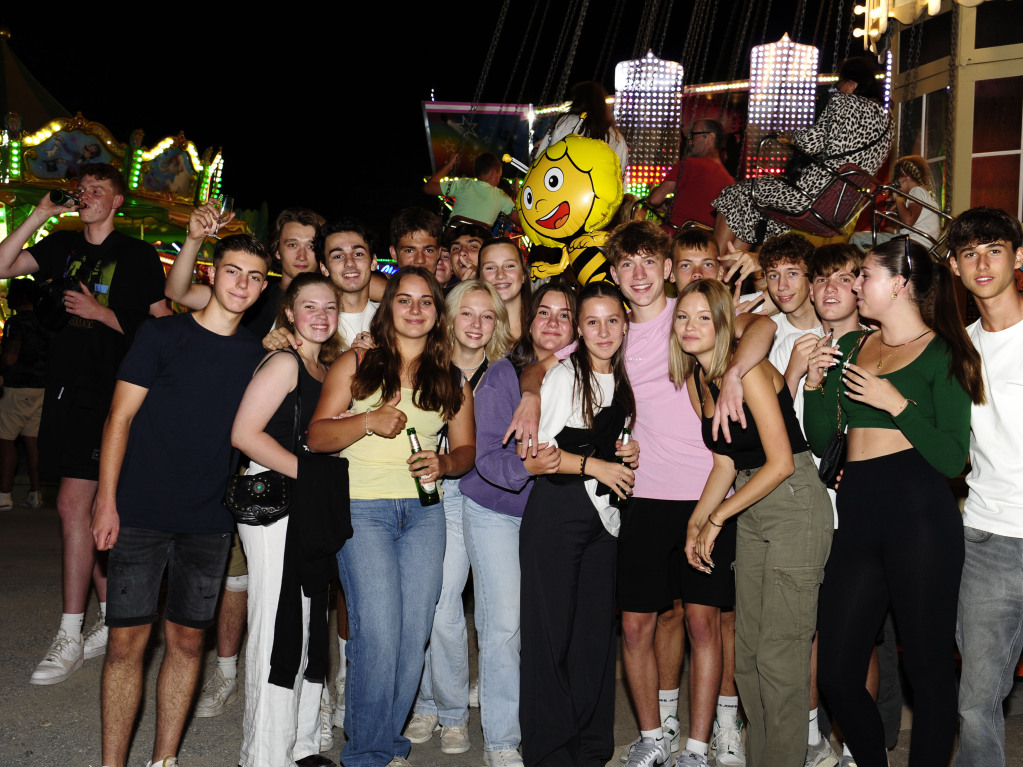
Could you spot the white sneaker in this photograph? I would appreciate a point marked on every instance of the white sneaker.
(454, 740)
(649, 753)
(820, 755)
(34, 500)
(672, 731)
(847, 761)
(690, 759)
(474, 694)
(167, 761)
(216, 694)
(421, 728)
(95, 639)
(399, 762)
(65, 657)
(339, 700)
(507, 757)
(326, 713)
(726, 745)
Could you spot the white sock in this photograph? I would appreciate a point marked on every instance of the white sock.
(696, 747)
(668, 701)
(341, 672)
(228, 666)
(814, 736)
(71, 624)
(655, 734)
(102, 609)
(845, 750)
(728, 709)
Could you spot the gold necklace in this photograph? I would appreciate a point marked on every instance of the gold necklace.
(880, 338)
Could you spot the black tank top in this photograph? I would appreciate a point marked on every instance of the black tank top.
(746, 450)
(598, 442)
(282, 423)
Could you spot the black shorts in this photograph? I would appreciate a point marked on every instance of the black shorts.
(652, 568)
(195, 568)
(71, 430)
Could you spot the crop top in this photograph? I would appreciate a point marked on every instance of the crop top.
(937, 425)
(746, 450)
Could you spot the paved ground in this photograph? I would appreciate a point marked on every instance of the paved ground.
(59, 725)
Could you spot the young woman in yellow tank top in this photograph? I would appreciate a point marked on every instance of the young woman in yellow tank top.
(391, 568)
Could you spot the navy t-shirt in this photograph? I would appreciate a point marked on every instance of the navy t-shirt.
(176, 465)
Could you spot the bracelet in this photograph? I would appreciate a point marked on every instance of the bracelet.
(713, 522)
(818, 387)
(365, 423)
(903, 406)
(582, 466)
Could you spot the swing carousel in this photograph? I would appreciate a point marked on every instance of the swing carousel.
(953, 77)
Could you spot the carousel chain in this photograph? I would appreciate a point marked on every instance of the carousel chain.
(518, 55)
(838, 34)
(767, 17)
(646, 27)
(707, 38)
(733, 72)
(563, 85)
(485, 72)
(664, 27)
(545, 94)
(610, 38)
(732, 22)
(532, 54)
(797, 23)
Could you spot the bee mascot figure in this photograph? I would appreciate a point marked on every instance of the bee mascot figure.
(566, 199)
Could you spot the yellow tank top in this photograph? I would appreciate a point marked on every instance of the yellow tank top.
(378, 467)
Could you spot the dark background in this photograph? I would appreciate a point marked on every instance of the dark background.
(322, 108)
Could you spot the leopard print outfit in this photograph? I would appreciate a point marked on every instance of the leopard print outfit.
(851, 129)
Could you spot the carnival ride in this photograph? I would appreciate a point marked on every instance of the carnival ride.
(164, 181)
(946, 62)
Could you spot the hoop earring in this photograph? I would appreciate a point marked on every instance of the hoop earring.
(894, 295)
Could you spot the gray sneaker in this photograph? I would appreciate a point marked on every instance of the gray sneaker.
(649, 752)
(326, 728)
(847, 761)
(820, 755)
(216, 694)
(689, 758)
(454, 739)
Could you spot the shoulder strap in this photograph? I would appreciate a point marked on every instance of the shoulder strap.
(478, 375)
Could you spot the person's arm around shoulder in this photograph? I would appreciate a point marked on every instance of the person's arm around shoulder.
(268, 388)
(525, 422)
(756, 335)
(128, 398)
(179, 287)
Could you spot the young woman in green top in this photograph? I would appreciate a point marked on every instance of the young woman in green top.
(905, 393)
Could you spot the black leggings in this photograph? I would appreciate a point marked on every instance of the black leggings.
(899, 540)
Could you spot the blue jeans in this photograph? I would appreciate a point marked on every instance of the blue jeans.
(444, 691)
(989, 632)
(391, 573)
(493, 543)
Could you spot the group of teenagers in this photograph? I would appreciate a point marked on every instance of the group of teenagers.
(523, 399)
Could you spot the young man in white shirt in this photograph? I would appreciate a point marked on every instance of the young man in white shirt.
(985, 245)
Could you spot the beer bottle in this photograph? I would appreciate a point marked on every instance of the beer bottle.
(428, 493)
(617, 500)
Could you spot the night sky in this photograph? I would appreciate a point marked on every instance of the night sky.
(323, 110)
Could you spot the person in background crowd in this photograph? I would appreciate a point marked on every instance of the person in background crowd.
(22, 376)
(102, 286)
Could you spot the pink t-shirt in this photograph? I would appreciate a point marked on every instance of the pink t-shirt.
(673, 463)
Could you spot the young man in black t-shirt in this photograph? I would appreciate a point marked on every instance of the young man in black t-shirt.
(166, 452)
(104, 285)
